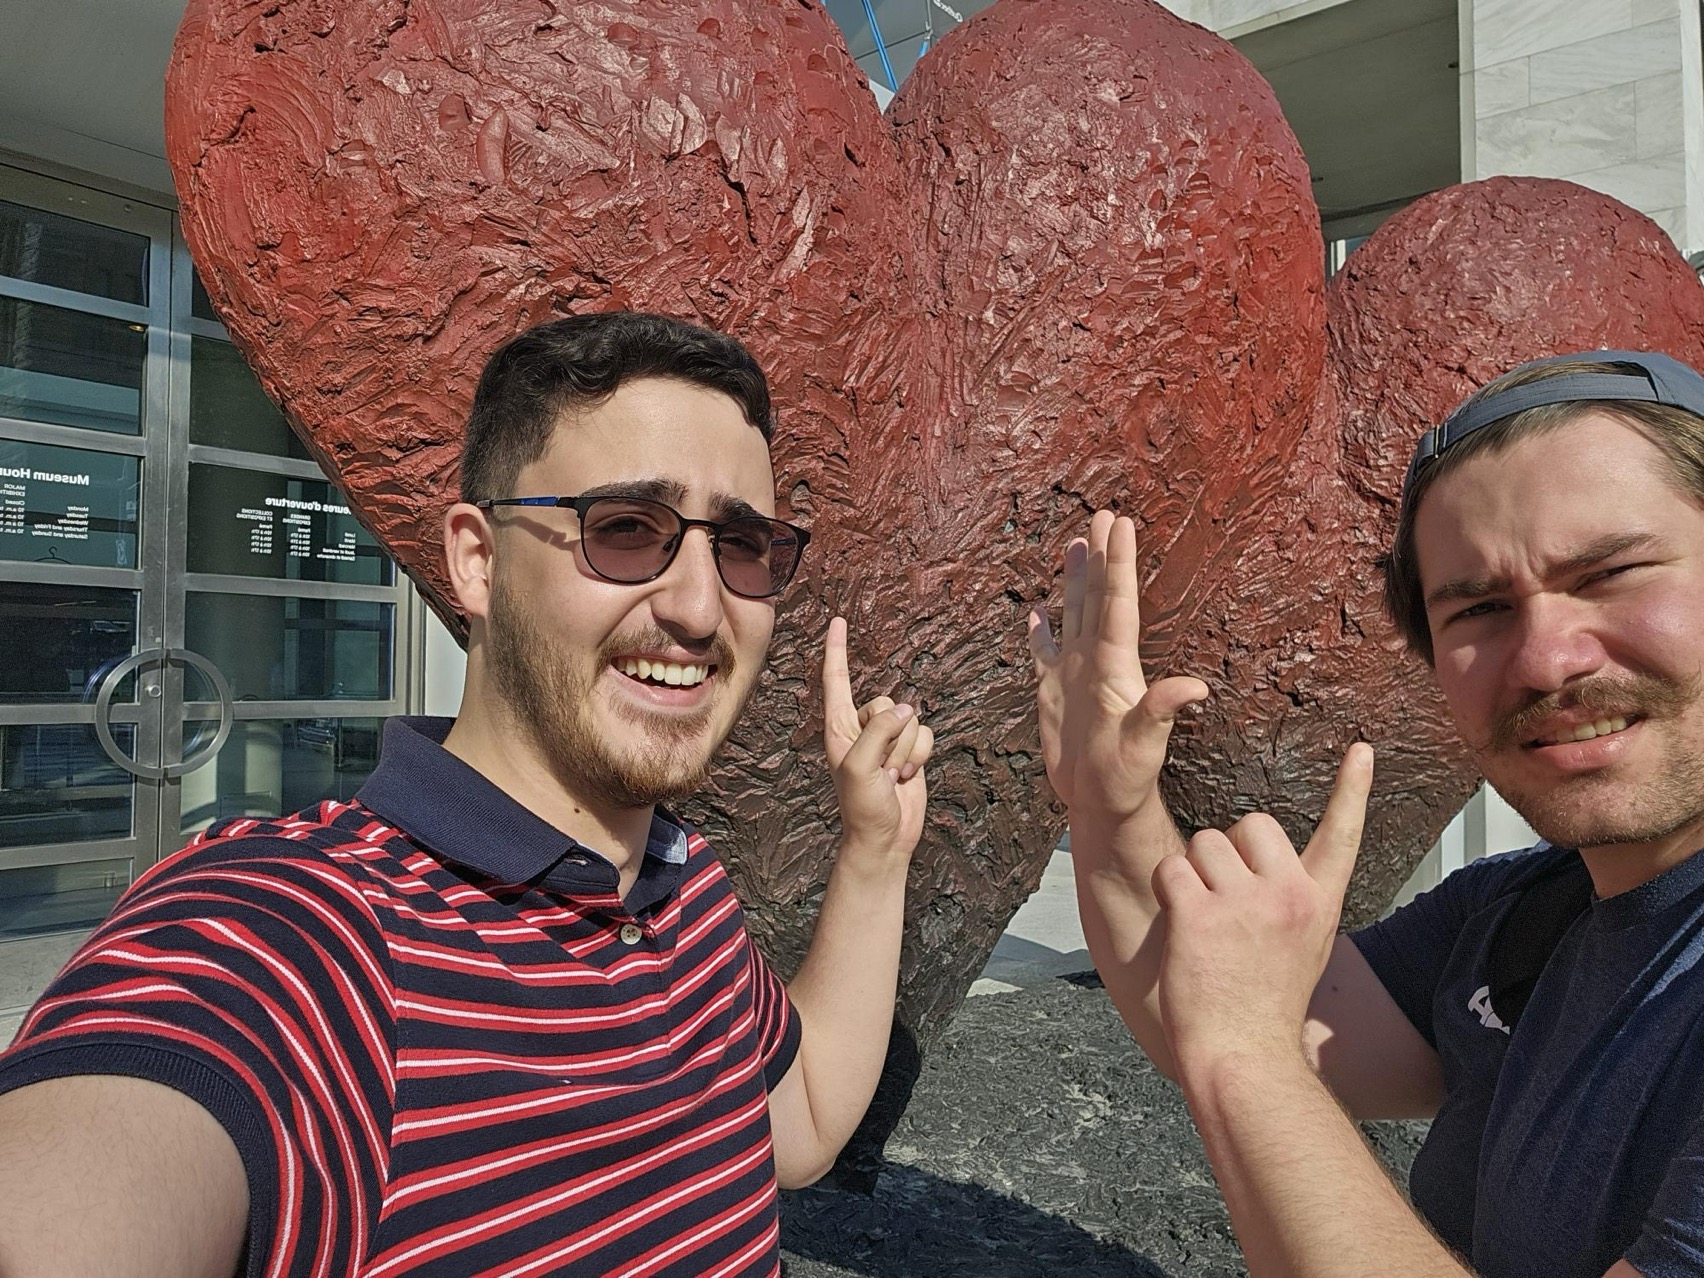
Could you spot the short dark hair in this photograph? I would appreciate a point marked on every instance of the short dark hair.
(1675, 432)
(578, 362)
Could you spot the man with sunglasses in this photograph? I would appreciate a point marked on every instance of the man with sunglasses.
(1542, 1007)
(499, 1013)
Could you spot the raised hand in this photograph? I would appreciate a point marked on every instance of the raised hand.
(1250, 926)
(1104, 729)
(876, 752)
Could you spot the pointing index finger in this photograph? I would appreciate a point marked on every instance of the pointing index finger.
(1330, 854)
(839, 711)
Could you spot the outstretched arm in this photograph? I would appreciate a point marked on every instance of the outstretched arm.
(1250, 928)
(844, 991)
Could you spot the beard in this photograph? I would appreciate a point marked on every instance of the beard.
(1602, 809)
(666, 756)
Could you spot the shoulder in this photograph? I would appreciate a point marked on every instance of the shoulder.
(252, 973)
(1467, 902)
(332, 830)
(254, 943)
(336, 847)
(313, 891)
(1425, 949)
(1490, 880)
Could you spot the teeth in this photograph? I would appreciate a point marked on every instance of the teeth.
(671, 673)
(1587, 731)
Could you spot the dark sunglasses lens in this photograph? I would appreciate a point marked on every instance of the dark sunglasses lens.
(757, 556)
(625, 539)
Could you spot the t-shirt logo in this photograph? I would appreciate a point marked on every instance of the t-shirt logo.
(1480, 1004)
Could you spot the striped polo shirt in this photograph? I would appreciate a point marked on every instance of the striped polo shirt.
(454, 1050)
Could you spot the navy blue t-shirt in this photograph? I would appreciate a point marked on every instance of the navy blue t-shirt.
(1576, 1141)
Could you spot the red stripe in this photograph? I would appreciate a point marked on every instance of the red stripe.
(389, 985)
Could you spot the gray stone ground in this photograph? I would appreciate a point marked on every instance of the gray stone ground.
(1039, 1141)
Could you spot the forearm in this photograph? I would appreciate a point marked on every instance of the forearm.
(845, 989)
(1306, 1196)
(1114, 872)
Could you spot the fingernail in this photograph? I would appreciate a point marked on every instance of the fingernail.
(893, 774)
(907, 772)
(903, 710)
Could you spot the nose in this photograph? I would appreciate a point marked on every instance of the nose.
(687, 599)
(1554, 644)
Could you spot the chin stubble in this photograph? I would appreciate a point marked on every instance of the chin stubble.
(548, 699)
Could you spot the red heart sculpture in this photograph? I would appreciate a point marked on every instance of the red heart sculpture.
(1077, 263)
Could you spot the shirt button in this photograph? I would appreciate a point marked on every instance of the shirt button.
(630, 933)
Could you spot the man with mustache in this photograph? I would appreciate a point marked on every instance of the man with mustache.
(499, 1013)
(1541, 1007)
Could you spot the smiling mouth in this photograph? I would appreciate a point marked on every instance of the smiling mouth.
(661, 674)
(1585, 731)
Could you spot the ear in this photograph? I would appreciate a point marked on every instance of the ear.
(470, 549)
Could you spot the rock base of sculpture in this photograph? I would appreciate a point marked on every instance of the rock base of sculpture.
(1039, 1142)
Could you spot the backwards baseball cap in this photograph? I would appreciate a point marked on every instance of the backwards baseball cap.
(1651, 377)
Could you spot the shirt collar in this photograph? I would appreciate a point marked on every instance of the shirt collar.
(445, 805)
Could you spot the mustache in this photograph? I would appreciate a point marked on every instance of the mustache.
(1648, 696)
(715, 650)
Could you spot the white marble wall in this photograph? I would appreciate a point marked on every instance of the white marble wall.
(1607, 93)
(1231, 18)
(1596, 91)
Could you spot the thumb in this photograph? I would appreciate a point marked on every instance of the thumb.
(1148, 726)
(1329, 857)
(876, 740)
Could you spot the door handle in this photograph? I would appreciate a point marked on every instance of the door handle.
(163, 657)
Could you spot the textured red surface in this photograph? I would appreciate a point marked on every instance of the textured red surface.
(1077, 263)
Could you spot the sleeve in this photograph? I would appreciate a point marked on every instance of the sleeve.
(252, 977)
(1409, 949)
(778, 1027)
(1671, 1241)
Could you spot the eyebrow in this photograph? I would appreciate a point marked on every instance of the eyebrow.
(1589, 557)
(668, 491)
(671, 492)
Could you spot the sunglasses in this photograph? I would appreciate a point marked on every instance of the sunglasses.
(632, 540)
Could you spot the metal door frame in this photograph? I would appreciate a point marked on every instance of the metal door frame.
(147, 579)
(161, 578)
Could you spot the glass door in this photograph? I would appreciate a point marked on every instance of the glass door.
(192, 624)
(273, 584)
(85, 331)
